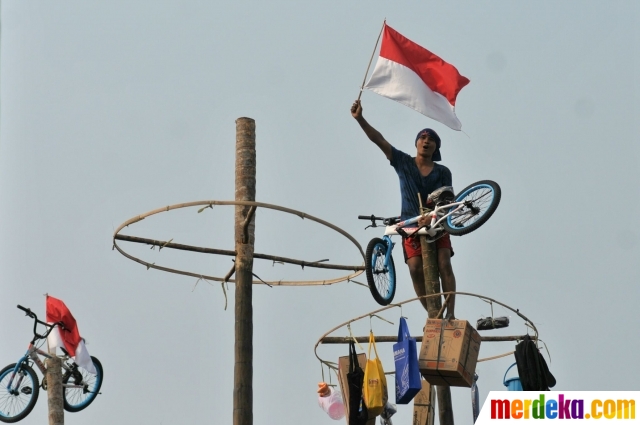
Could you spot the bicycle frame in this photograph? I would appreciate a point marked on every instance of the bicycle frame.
(20, 386)
(32, 353)
(432, 228)
(390, 244)
(446, 214)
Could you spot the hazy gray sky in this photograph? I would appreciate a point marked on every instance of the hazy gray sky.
(112, 109)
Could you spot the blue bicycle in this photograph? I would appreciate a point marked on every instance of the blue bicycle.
(454, 214)
(19, 386)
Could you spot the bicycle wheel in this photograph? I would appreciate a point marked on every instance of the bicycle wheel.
(381, 278)
(17, 401)
(76, 399)
(480, 201)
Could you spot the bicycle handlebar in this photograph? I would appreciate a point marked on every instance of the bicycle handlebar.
(26, 310)
(369, 217)
(385, 221)
(36, 321)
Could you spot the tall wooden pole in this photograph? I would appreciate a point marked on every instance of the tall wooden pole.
(54, 390)
(432, 286)
(244, 242)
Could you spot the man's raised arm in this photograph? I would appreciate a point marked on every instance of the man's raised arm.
(373, 134)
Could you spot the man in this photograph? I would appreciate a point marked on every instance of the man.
(418, 175)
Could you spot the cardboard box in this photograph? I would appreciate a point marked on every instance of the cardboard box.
(423, 404)
(343, 369)
(458, 344)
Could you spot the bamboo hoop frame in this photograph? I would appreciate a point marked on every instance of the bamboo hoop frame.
(357, 270)
(332, 365)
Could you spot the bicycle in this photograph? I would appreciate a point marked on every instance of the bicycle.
(454, 214)
(19, 386)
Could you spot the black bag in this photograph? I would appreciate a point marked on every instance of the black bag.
(355, 379)
(532, 368)
(492, 323)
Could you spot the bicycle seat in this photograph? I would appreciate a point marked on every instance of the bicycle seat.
(443, 195)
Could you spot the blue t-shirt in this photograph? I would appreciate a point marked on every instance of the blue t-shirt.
(412, 182)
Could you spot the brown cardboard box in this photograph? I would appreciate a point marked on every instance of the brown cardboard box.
(423, 403)
(343, 369)
(459, 345)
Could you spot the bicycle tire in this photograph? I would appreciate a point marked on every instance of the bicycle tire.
(15, 407)
(481, 200)
(76, 399)
(382, 281)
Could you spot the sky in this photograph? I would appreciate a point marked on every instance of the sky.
(112, 109)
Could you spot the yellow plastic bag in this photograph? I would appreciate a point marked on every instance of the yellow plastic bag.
(374, 390)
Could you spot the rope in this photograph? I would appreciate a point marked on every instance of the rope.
(496, 357)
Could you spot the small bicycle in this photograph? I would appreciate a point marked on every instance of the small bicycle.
(19, 387)
(454, 214)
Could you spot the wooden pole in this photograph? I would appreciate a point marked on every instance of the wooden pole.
(54, 390)
(418, 338)
(244, 243)
(434, 304)
(431, 276)
(165, 244)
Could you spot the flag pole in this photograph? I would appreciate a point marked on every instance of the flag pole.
(371, 60)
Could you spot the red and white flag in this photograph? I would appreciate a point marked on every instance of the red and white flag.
(415, 77)
(69, 337)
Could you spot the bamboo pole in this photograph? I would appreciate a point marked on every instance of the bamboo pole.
(54, 390)
(431, 276)
(245, 185)
(173, 245)
(390, 338)
(364, 80)
(434, 305)
(445, 408)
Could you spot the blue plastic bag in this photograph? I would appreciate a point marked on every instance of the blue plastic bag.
(405, 356)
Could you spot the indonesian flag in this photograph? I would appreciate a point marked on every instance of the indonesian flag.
(415, 77)
(69, 337)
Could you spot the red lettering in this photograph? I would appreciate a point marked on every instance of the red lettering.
(500, 409)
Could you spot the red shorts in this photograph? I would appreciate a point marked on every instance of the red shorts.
(411, 246)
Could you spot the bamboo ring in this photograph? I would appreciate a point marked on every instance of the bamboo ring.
(357, 270)
(332, 365)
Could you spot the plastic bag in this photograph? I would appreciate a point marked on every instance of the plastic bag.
(388, 411)
(358, 414)
(405, 356)
(374, 391)
(492, 323)
(475, 398)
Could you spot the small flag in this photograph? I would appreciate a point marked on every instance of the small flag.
(412, 75)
